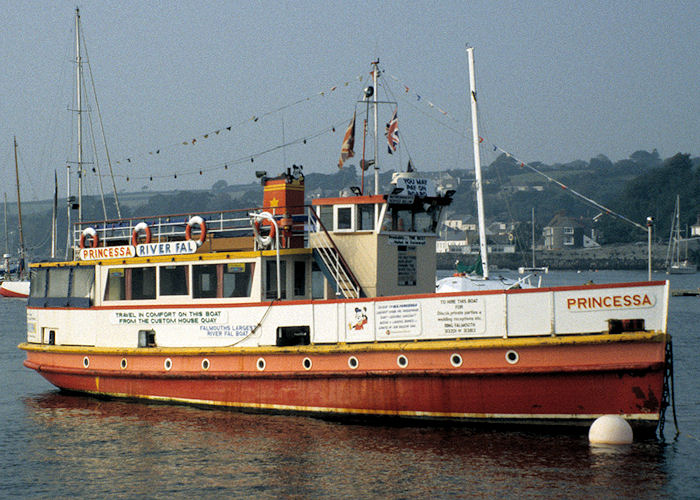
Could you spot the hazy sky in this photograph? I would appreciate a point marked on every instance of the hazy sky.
(557, 81)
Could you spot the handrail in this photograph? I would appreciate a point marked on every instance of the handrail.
(344, 267)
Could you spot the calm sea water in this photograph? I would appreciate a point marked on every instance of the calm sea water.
(59, 446)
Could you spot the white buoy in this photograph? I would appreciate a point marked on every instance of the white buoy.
(610, 429)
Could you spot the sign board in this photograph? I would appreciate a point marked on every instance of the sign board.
(166, 248)
(100, 253)
(406, 240)
(416, 186)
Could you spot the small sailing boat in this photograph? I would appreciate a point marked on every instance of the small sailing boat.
(674, 263)
(16, 282)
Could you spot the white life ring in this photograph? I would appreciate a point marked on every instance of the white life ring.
(141, 226)
(264, 241)
(202, 229)
(89, 232)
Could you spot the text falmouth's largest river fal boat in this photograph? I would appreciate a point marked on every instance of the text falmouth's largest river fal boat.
(331, 309)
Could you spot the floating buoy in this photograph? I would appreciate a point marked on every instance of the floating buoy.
(610, 429)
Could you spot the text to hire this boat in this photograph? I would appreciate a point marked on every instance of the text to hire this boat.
(331, 309)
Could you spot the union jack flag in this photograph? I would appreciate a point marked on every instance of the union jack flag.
(392, 133)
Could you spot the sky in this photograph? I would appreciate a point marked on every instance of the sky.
(191, 86)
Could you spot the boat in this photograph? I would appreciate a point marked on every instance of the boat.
(674, 263)
(15, 283)
(330, 309)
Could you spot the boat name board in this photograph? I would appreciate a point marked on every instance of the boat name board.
(203, 317)
(603, 302)
(166, 248)
(98, 253)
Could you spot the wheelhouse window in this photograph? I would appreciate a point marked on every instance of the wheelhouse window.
(173, 280)
(365, 217)
(343, 219)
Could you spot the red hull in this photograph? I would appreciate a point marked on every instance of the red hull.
(571, 384)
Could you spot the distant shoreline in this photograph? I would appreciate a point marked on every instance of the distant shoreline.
(610, 257)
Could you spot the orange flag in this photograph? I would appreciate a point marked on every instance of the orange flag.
(348, 143)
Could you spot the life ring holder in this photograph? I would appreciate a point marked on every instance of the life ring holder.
(141, 226)
(202, 229)
(89, 232)
(264, 241)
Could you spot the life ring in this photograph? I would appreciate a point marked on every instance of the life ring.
(202, 229)
(264, 241)
(89, 231)
(141, 226)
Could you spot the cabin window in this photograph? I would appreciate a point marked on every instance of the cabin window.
(401, 220)
(58, 282)
(222, 280)
(173, 280)
(318, 282)
(205, 281)
(116, 284)
(143, 283)
(82, 282)
(343, 219)
(237, 279)
(38, 282)
(365, 217)
(299, 278)
(271, 279)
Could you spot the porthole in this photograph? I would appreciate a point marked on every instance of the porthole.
(123, 363)
(86, 361)
(205, 364)
(168, 364)
(261, 364)
(402, 361)
(307, 364)
(512, 357)
(456, 360)
(353, 362)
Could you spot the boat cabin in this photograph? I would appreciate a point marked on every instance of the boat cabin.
(350, 246)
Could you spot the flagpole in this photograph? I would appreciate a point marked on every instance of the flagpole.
(375, 64)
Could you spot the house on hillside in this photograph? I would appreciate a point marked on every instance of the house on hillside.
(563, 232)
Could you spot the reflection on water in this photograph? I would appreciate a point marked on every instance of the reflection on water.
(83, 445)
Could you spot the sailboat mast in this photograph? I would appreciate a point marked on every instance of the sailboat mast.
(79, 92)
(375, 74)
(7, 247)
(19, 212)
(533, 236)
(477, 166)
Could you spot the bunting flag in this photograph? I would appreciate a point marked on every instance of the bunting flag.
(392, 133)
(409, 167)
(346, 151)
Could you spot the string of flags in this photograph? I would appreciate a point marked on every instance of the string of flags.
(253, 119)
(603, 208)
(419, 98)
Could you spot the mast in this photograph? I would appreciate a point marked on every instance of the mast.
(19, 215)
(79, 92)
(375, 74)
(477, 166)
(7, 247)
(533, 236)
(54, 208)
